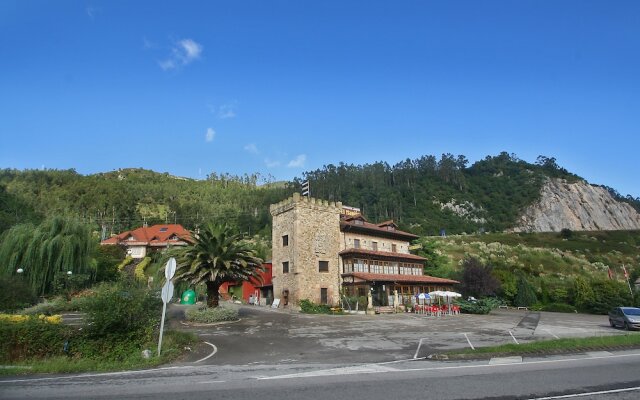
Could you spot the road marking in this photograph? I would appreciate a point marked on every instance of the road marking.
(469, 341)
(354, 370)
(205, 382)
(514, 338)
(418, 349)
(215, 350)
(551, 333)
(376, 369)
(568, 396)
(505, 360)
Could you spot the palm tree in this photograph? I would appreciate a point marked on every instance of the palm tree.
(216, 256)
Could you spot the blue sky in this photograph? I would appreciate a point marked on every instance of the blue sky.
(280, 87)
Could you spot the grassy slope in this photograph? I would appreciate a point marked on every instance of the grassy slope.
(546, 254)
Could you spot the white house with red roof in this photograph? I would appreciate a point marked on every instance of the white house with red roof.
(139, 242)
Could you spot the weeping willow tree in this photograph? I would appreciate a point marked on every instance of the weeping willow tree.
(56, 246)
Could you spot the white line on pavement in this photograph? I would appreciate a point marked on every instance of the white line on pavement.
(514, 338)
(568, 396)
(418, 349)
(469, 341)
(215, 350)
(551, 333)
(205, 382)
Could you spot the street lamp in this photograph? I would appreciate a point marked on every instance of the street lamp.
(20, 271)
(67, 285)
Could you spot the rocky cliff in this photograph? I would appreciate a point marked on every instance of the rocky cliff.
(579, 207)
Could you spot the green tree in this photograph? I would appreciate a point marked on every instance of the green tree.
(477, 279)
(55, 247)
(216, 256)
(582, 293)
(526, 295)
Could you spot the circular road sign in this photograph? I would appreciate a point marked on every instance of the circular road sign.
(170, 268)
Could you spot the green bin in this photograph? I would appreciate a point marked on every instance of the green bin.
(188, 297)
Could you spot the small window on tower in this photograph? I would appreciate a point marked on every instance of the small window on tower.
(356, 243)
(285, 267)
(323, 266)
(285, 240)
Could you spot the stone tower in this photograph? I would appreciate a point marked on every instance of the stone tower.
(305, 247)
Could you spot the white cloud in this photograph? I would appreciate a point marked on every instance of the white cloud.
(92, 11)
(167, 64)
(271, 164)
(190, 50)
(251, 148)
(298, 162)
(182, 53)
(227, 111)
(211, 134)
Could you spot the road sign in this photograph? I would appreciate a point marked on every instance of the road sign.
(167, 292)
(170, 268)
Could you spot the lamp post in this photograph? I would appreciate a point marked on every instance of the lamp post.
(67, 286)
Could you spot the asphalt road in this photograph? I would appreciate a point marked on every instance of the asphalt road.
(613, 374)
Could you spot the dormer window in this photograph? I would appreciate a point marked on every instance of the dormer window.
(391, 228)
(164, 229)
(358, 222)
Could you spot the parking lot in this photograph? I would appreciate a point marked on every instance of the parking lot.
(265, 336)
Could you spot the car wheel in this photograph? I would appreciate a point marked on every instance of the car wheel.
(611, 323)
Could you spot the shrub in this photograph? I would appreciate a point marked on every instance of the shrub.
(15, 293)
(57, 305)
(18, 318)
(139, 271)
(482, 306)
(308, 307)
(526, 295)
(125, 262)
(559, 307)
(32, 338)
(209, 315)
(122, 309)
(107, 261)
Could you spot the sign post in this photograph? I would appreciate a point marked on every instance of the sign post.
(167, 294)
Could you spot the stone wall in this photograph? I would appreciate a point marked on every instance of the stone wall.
(313, 229)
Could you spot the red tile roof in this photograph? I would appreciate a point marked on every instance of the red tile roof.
(399, 278)
(382, 254)
(156, 235)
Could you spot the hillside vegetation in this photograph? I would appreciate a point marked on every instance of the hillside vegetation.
(423, 195)
(553, 263)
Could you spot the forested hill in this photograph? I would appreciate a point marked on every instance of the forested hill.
(423, 195)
